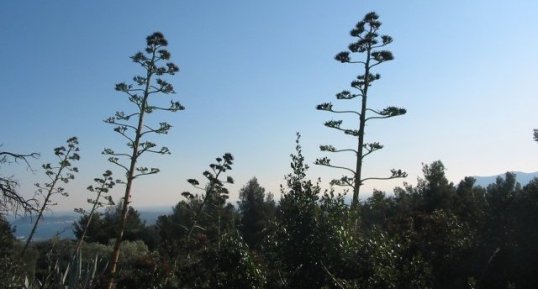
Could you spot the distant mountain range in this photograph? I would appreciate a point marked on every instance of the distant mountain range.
(521, 177)
(61, 224)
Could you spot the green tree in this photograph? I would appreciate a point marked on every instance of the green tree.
(236, 266)
(388, 262)
(133, 127)
(371, 44)
(11, 273)
(297, 243)
(103, 227)
(310, 240)
(377, 210)
(173, 228)
(228, 265)
(470, 203)
(63, 172)
(498, 243)
(94, 231)
(525, 236)
(257, 210)
(436, 229)
(435, 190)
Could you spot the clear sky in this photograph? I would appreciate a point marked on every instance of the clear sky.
(251, 75)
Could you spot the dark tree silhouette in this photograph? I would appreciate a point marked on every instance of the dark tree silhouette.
(257, 210)
(102, 198)
(371, 44)
(10, 198)
(133, 128)
(215, 193)
(63, 172)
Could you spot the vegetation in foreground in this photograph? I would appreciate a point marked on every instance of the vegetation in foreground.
(433, 235)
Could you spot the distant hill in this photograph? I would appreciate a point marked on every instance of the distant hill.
(521, 177)
(61, 224)
(49, 226)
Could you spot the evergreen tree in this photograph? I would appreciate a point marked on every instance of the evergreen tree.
(312, 245)
(103, 227)
(298, 240)
(435, 190)
(257, 211)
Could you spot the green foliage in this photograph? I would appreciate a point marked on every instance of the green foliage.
(11, 272)
(432, 235)
(310, 240)
(435, 190)
(426, 216)
(103, 227)
(466, 236)
(198, 232)
(257, 211)
(388, 264)
(377, 210)
(173, 229)
(316, 243)
(228, 265)
(7, 239)
(525, 236)
(57, 269)
(236, 266)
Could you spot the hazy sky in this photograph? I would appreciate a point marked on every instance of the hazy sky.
(251, 75)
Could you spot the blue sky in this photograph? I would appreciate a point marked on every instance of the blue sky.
(251, 75)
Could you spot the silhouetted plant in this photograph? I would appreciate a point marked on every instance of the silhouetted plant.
(370, 43)
(257, 210)
(63, 172)
(102, 198)
(155, 65)
(215, 193)
(10, 199)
